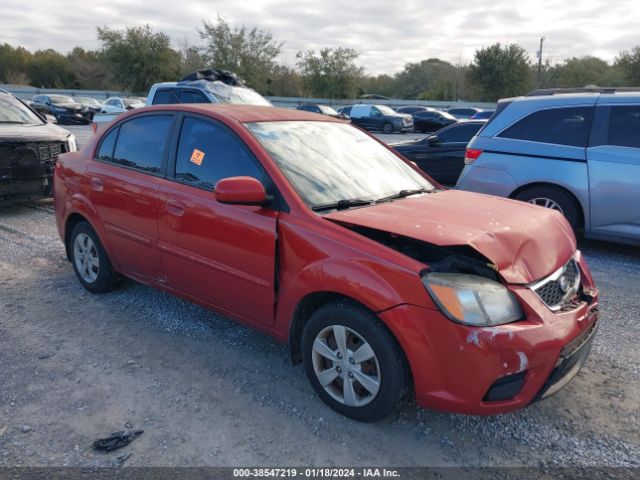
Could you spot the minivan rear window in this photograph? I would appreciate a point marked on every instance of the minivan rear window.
(624, 127)
(559, 126)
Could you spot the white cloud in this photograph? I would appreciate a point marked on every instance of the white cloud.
(388, 34)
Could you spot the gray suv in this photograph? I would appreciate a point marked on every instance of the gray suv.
(574, 150)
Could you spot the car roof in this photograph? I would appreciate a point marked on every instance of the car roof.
(242, 113)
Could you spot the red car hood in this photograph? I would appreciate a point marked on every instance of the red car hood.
(525, 242)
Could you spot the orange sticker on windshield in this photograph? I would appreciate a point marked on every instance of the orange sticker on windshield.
(197, 156)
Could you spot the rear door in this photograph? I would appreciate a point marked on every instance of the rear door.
(220, 254)
(614, 170)
(124, 178)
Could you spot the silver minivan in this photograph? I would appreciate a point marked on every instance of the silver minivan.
(574, 150)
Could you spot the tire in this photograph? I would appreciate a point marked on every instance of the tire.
(554, 198)
(386, 368)
(90, 261)
(387, 128)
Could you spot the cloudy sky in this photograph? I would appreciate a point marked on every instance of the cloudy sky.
(387, 33)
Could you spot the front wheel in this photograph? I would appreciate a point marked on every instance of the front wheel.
(353, 362)
(387, 128)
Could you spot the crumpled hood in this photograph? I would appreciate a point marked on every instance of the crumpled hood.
(524, 242)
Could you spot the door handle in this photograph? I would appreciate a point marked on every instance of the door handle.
(96, 184)
(175, 208)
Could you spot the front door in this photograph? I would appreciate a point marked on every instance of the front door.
(221, 254)
(123, 188)
(614, 173)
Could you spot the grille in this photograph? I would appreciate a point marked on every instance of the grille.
(47, 151)
(558, 289)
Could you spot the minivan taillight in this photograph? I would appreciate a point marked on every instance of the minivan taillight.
(471, 155)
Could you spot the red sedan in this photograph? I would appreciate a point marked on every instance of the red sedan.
(308, 228)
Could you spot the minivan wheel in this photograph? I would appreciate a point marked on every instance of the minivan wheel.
(555, 199)
(353, 362)
(90, 261)
(387, 128)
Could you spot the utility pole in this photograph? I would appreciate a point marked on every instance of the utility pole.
(540, 63)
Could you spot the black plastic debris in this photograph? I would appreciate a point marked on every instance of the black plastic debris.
(117, 440)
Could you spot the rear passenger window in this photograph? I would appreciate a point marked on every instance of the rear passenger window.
(208, 152)
(624, 126)
(141, 142)
(459, 133)
(105, 151)
(164, 96)
(560, 126)
(191, 96)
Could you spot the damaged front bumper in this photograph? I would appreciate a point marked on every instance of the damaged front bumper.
(492, 370)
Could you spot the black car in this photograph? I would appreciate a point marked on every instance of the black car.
(441, 155)
(380, 118)
(321, 109)
(64, 108)
(29, 148)
(428, 121)
(413, 109)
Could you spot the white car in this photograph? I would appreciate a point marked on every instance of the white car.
(119, 105)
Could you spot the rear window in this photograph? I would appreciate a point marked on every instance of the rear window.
(141, 142)
(459, 133)
(193, 96)
(624, 126)
(164, 96)
(558, 126)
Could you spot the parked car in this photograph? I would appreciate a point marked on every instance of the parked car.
(119, 105)
(441, 155)
(380, 118)
(428, 121)
(576, 153)
(65, 109)
(322, 109)
(311, 230)
(346, 111)
(91, 103)
(29, 148)
(413, 109)
(202, 86)
(464, 112)
(483, 115)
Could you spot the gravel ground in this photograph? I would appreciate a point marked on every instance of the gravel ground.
(76, 366)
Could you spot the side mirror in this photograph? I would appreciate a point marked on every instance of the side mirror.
(50, 118)
(240, 191)
(434, 140)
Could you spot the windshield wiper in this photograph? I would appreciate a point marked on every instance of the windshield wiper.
(342, 204)
(403, 194)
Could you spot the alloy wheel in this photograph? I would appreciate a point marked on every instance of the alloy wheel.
(85, 256)
(547, 203)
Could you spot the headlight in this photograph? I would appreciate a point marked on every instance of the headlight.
(71, 140)
(472, 300)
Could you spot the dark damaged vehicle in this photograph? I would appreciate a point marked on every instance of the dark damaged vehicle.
(29, 148)
(313, 231)
(64, 108)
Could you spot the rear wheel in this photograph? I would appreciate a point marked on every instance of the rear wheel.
(353, 362)
(90, 261)
(554, 198)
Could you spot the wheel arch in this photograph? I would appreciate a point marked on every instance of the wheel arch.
(576, 200)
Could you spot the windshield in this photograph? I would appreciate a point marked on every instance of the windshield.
(13, 111)
(328, 162)
(245, 96)
(88, 101)
(385, 110)
(327, 110)
(61, 99)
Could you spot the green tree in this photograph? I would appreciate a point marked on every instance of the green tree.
(500, 72)
(629, 64)
(331, 73)
(432, 79)
(284, 81)
(250, 53)
(89, 68)
(138, 57)
(382, 84)
(50, 69)
(14, 64)
(580, 72)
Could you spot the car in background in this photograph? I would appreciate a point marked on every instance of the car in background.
(321, 109)
(29, 149)
(463, 112)
(119, 105)
(345, 110)
(380, 118)
(441, 155)
(91, 103)
(412, 109)
(483, 115)
(64, 108)
(381, 283)
(428, 121)
(576, 151)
